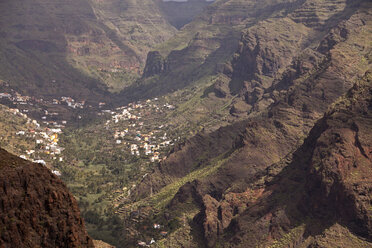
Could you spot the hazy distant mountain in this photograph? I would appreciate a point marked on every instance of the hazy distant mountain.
(74, 43)
(181, 12)
(85, 47)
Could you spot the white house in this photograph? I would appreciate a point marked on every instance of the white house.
(57, 173)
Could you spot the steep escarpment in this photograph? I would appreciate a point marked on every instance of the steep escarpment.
(210, 39)
(247, 50)
(139, 25)
(36, 208)
(269, 56)
(34, 47)
(155, 64)
(267, 49)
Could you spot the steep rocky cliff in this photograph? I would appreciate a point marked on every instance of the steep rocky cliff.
(155, 64)
(36, 208)
(269, 55)
(253, 43)
(139, 25)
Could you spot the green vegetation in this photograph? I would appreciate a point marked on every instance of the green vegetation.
(289, 238)
(99, 171)
(96, 172)
(161, 199)
(10, 124)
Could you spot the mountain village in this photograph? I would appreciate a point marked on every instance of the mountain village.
(133, 127)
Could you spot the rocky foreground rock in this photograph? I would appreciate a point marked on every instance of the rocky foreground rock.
(36, 208)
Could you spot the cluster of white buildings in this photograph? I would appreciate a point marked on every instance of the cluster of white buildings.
(70, 102)
(15, 98)
(5, 95)
(130, 127)
(46, 140)
(152, 241)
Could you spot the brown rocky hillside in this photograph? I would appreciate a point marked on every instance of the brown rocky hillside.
(319, 197)
(256, 183)
(267, 195)
(36, 208)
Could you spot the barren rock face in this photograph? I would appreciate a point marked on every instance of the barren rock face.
(340, 178)
(267, 48)
(155, 64)
(304, 198)
(36, 208)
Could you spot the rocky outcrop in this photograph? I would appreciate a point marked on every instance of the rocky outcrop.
(266, 50)
(36, 208)
(155, 64)
(216, 216)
